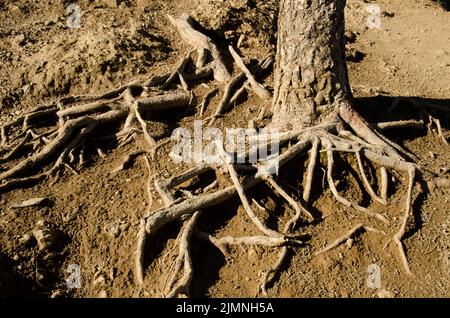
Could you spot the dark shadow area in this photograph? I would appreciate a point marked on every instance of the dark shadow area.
(155, 245)
(13, 284)
(207, 259)
(386, 108)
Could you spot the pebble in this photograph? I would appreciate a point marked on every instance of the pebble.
(16, 257)
(350, 242)
(100, 280)
(102, 294)
(71, 216)
(20, 39)
(113, 229)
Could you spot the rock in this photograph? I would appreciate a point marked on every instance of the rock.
(123, 227)
(71, 215)
(99, 281)
(20, 39)
(113, 229)
(102, 294)
(31, 202)
(46, 238)
(26, 89)
(350, 242)
(116, 227)
(16, 257)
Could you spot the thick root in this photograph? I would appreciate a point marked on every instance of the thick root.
(201, 42)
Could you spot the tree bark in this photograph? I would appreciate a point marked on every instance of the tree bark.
(311, 71)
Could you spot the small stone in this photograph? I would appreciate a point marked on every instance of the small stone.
(123, 227)
(350, 242)
(113, 229)
(16, 257)
(71, 215)
(102, 294)
(20, 39)
(100, 280)
(26, 89)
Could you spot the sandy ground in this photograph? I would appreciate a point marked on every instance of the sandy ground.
(94, 216)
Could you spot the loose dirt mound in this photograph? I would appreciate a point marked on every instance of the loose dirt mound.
(255, 20)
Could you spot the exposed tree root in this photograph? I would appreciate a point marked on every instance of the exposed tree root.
(78, 123)
(347, 236)
(259, 89)
(205, 100)
(201, 43)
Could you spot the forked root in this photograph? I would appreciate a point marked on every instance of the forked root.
(184, 256)
(201, 42)
(401, 233)
(343, 200)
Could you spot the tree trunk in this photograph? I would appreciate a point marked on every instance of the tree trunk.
(311, 72)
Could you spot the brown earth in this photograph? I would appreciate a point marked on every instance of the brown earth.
(94, 216)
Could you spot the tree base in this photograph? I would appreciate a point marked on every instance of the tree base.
(81, 122)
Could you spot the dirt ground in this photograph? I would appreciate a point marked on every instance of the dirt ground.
(94, 216)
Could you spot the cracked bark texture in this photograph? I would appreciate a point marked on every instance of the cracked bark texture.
(311, 71)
